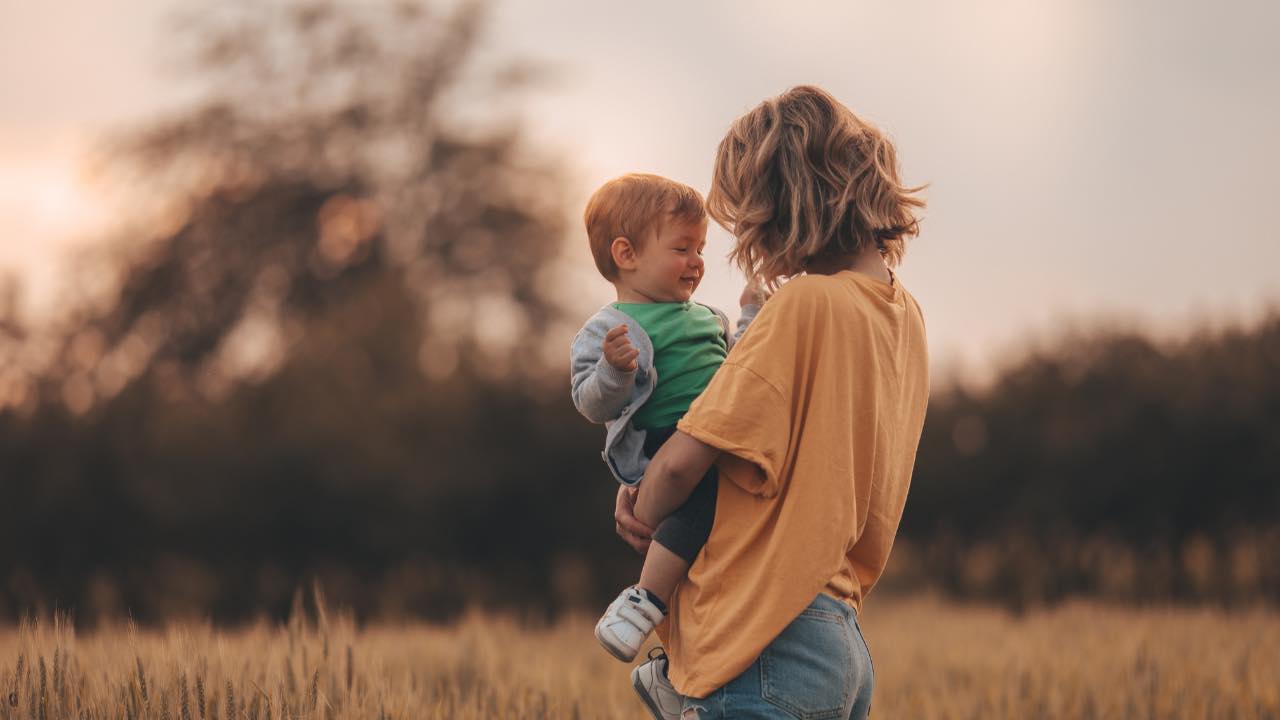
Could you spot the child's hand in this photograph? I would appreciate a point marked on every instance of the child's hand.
(618, 350)
(753, 294)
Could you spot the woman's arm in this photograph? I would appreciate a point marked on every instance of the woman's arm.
(671, 476)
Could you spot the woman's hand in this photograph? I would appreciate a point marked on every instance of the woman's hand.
(632, 531)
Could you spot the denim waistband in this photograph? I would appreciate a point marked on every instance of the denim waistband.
(826, 602)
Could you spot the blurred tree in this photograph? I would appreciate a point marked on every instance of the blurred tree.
(331, 166)
(324, 352)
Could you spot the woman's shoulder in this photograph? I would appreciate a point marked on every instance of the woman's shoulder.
(805, 289)
(804, 285)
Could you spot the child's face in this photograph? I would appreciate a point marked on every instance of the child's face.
(670, 266)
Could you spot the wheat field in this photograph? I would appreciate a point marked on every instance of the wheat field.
(933, 660)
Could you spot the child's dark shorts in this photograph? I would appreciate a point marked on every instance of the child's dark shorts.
(687, 528)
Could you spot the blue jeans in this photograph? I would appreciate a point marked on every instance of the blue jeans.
(818, 667)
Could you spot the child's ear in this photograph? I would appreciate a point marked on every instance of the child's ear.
(624, 253)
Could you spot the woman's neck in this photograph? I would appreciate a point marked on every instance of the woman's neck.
(868, 262)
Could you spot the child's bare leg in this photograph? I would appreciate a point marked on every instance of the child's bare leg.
(662, 571)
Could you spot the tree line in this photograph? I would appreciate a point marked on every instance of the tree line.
(325, 357)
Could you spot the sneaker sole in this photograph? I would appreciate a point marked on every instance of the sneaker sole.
(645, 696)
(614, 650)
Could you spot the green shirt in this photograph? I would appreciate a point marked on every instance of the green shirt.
(688, 347)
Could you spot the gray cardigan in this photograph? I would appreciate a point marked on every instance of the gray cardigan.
(605, 394)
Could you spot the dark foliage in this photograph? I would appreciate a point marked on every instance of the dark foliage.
(326, 359)
(1111, 449)
(332, 364)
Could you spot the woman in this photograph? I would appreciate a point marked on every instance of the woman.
(812, 421)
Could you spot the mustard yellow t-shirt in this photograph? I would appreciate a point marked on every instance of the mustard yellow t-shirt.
(818, 410)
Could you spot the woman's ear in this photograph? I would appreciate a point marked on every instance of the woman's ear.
(624, 253)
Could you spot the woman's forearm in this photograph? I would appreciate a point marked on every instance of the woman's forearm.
(671, 476)
(661, 492)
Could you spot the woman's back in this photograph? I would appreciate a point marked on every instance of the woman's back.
(819, 410)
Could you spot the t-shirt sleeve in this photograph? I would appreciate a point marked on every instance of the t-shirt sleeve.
(747, 411)
(745, 417)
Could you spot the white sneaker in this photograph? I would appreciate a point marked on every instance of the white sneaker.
(628, 621)
(655, 689)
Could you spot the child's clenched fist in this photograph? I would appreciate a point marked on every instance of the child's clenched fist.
(618, 350)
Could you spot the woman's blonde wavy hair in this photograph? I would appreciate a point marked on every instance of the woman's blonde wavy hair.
(800, 179)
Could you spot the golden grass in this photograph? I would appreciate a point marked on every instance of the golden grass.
(933, 660)
(1079, 660)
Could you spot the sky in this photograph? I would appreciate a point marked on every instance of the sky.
(1086, 161)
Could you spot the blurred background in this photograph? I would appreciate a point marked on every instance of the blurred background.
(287, 289)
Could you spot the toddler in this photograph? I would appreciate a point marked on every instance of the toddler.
(638, 363)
